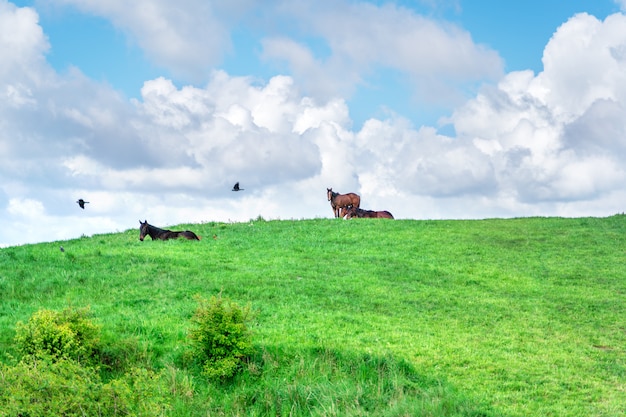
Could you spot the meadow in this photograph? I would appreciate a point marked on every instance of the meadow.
(497, 317)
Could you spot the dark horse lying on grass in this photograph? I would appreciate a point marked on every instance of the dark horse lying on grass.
(162, 234)
(339, 201)
(352, 212)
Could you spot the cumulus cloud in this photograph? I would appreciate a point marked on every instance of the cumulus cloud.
(362, 37)
(558, 136)
(201, 139)
(187, 36)
(23, 49)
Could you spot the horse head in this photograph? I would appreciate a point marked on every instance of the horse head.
(143, 229)
(329, 193)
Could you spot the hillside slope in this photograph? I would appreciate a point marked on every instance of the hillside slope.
(524, 316)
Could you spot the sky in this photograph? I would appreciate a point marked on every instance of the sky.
(430, 109)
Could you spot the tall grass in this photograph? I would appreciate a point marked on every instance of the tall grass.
(498, 317)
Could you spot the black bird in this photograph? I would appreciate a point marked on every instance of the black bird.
(82, 203)
(236, 187)
(61, 247)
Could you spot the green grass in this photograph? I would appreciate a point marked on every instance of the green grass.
(514, 317)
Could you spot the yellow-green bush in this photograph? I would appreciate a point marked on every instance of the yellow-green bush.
(67, 334)
(220, 338)
(42, 387)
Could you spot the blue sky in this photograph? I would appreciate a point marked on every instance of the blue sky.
(520, 30)
(152, 109)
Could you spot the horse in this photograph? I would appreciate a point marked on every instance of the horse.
(352, 212)
(163, 234)
(339, 201)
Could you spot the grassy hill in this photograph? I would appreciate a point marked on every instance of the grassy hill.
(517, 317)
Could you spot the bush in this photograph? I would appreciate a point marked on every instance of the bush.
(220, 339)
(47, 387)
(68, 334)
(58, 373)
(140, 392)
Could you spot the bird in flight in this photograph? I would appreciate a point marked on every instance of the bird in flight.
(82, 203)
(236, 187)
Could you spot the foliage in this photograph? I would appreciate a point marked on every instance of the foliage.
(220, 338)
(47, 387)
(68, 334)
(139, 392)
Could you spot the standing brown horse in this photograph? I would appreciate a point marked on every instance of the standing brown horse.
(352, 212)
(339, 201)
(155, 233)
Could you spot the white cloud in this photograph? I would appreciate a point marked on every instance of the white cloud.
(362, 37)
(586, 53)
(394, 156)
(231, 128)
(187, 36)
(558, 136)
(23, 44)
(26, 208)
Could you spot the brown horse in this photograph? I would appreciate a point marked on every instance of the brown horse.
(339, 201)
(352, 212)
(155, 233)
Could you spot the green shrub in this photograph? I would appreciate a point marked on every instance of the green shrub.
(68, 334)
(47, 387)
(220, 338)
(140, 392)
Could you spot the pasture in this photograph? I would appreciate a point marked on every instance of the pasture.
(516, 317)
